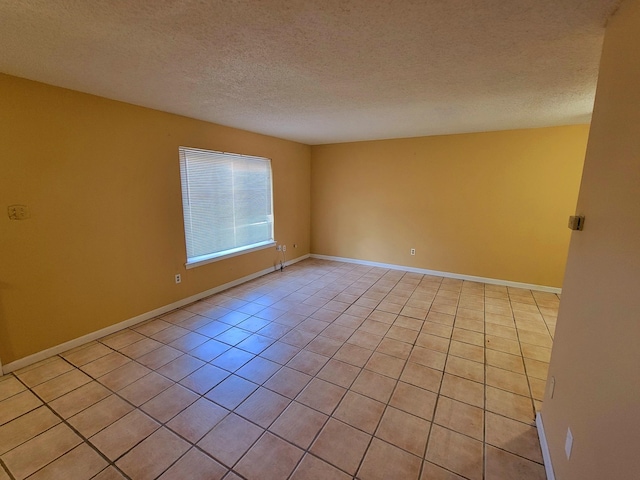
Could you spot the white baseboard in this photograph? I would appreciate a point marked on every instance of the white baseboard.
(544, 446)
(76, 342)
(492, 281)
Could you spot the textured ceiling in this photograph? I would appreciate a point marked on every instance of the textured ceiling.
(321, 71)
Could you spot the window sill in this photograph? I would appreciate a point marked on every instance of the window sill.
(216, 257)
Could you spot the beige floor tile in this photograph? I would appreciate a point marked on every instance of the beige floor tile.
(194, 465)
(87, 353)
(510, 405)
(169, 403)
(121, 339)
(179, 368)
(455, 452)
(153, 455)
(170, 334)
(384, 461)
(81, 463)
(43, 371)
(536, 368)
(263, 407)
(145, 389)
(506, 380)
(308, 362)
(421, 376)
(404, 431)
(414, 400)
(269, 459)
(337, 332)
(123, 434)
(537, 388)
(506, 361)
(402, 334)
(93, 419)
(341, 445)
(105, 364)
(502, 344)
(299, 424)
(468, 324)
(197, 419)
(17, 405)
(359, 411)
(437, 329)
(385, 365)
(374, 385)
(468, 336)
(231, 392)
(433, 342)
(188, 342)
(324, 346)
(375, 327)
(26, 427)
(428, 358)
(463, 390)
(109, 473)
(431, 471)
(542, 354)
(204, 379)
(41, 450)
(125, 375)
(140, 348)
(228, 441)
(79, 399)
(321, 395)
(513, 436)
(258, 370)
(467, 351)
(465, 368)
(534, 338)
(58, 386)
(353, 355)
(460, 417)
(159, 357)
(395, 348)
(312, 468)
(288, 382)
(209, 350)
(280, 352)
(151, 327)
(501, 464)
(365, 339)
(10, 386)
(501, 331)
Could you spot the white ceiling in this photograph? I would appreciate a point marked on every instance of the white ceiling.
(321, 71)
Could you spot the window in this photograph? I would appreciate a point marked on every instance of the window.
(227, 204)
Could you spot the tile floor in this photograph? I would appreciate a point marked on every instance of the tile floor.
(324, 371)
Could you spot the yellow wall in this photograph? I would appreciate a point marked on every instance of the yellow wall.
(596, 352)
(105, 236)
(490, 204)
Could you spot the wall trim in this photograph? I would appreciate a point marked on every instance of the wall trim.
(492, 281)
(544, 446)
(76, 342)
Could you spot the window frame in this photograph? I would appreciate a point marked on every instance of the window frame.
(195, 261)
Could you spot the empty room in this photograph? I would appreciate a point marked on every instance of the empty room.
(272, 240)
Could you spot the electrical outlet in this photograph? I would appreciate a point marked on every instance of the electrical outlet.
(413, 251)
(18, 212)
(284, 248)
(178, 278)
(279, 248)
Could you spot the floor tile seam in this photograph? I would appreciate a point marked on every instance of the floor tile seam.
(531, 399)
(83, 439)
(435, 407)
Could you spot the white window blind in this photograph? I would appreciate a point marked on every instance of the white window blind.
(227, 203)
